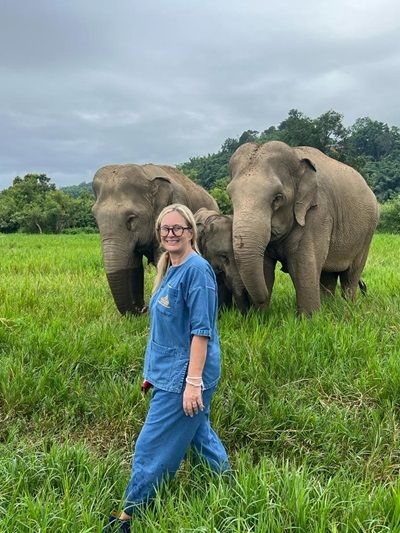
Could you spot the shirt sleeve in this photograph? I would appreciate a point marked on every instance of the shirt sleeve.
(201, 301)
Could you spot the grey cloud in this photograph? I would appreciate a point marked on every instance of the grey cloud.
(90, 83)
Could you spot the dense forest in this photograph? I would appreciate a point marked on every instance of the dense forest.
(33, 204)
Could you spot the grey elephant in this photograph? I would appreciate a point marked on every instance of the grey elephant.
(215, 244)
(128, 201)
(314, 214)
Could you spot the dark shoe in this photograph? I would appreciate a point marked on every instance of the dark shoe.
(116, 524)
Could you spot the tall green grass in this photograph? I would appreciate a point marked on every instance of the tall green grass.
(308, 409)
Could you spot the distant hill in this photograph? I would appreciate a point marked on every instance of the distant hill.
(76, 191)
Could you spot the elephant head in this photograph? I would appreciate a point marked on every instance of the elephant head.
(128, 201)
(215, 244)
(272, 189)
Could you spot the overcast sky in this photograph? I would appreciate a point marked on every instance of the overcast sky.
(86, 83)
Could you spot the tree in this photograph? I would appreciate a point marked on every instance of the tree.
(326, 132)
(207, 170)
(330, 134)
(270, 134)
(230, 145)
(297, 129)
(34, 205)
(8, 213)
(248, 136)
(31, 187)
(384, 176)
(220, 194)
(373, 139)
(81, 216)
(389, 221)
(21, 205)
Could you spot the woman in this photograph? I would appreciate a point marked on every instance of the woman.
(182, 363)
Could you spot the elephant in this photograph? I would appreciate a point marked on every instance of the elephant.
(214, 239)
(129, 198)
(311, 212)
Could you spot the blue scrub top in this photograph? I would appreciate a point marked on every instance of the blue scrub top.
(185, 304)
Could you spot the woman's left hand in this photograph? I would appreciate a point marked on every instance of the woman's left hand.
(192, 400)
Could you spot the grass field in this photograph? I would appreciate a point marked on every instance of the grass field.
(308, 409)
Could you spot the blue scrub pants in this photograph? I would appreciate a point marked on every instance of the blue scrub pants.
(166, 436)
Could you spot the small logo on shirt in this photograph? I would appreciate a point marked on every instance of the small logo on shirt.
(164, 301)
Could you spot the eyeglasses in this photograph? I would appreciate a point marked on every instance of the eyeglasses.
(177, 230)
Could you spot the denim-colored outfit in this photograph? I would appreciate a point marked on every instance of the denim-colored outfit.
(185, 304)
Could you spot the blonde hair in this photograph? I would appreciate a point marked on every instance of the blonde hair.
(165, 261)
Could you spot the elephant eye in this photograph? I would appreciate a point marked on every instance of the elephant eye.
(277, 201)
(225, 259)
(130, 220)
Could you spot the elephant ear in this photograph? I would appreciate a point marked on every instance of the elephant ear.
(307, 191)
(162, 193)
(201, 237)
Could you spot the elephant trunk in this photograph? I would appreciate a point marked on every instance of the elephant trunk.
(125, 276)
(127, 289)
(250, 239)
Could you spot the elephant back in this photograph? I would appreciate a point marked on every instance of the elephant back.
(111, 177)
(198, 197)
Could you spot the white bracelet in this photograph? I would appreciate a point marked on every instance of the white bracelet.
(195, 382)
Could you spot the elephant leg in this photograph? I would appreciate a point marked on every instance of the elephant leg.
(327, 282)
(305, 276)
(243, 302)
(350, 278)
(269, 276)
(348, 285)
(224, 294)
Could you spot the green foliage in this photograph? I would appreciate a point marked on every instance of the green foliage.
(8, 213)
(79, 229)
(373, 139)
(81, 216)
(34, 205)
(230, 145)
(330, 132)
(383, 176)
(207, 170)
(220, 194)
(309, 410)
(297, 129)
(389, 221)
(248, 136)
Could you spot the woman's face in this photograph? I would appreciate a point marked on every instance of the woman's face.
(178, 245)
